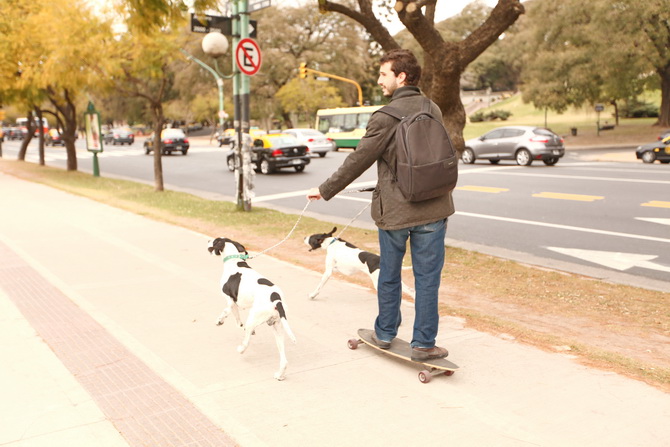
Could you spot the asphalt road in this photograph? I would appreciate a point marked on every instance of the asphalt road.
(607, 219)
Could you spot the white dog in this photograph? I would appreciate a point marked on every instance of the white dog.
(346, 259)
(246, 289)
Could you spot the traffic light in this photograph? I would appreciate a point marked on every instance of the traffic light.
(303, 71)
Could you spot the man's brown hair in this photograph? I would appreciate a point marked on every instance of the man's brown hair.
(403, 61)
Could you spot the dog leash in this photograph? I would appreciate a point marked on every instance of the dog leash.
(369, 189)
(302, 214)
(287, 236)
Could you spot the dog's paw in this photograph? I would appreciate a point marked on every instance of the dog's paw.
(312, 295)
(219, 322)
(241, 349)
(279, 376)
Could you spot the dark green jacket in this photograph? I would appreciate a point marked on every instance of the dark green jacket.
(390, 210)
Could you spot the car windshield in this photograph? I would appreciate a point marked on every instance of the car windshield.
(283, 141)
(312, 133)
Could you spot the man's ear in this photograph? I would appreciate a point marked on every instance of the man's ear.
(401, 78)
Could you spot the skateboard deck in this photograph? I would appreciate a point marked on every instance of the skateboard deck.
(402, 350)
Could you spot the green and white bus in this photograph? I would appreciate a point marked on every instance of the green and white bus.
(345, 125)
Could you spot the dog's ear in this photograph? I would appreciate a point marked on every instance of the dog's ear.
(240, 247)
(332, 232)
(216, 246)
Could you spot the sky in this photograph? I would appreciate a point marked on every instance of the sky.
(444, 10)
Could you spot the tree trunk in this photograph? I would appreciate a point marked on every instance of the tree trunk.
(159, 121)
(664, 112)
(27, 137)
(40, 129)
(444, 62)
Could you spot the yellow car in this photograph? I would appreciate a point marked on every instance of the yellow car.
(272, 152)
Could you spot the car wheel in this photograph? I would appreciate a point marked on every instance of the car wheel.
(299, 168)
(166, 152)
(550, 161)
(648, 157)
(322, 154)
(147, 150)
(184, 152)
(231, 164)
(523, 157)
(266, 168)
(468, 156)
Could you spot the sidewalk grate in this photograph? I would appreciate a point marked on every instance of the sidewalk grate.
(143, 407)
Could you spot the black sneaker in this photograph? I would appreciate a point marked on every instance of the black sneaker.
(380, 343)
(421, 354)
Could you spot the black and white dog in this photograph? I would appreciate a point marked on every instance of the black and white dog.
(244, 288)
(346, 259)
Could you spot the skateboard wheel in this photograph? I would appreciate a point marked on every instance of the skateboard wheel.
(352, 343)
(449, 373)
(424, 376)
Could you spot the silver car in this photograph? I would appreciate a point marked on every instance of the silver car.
(521, 143)
(317, 142)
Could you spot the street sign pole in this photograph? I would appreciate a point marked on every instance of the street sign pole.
(245, 114)
(237, 123)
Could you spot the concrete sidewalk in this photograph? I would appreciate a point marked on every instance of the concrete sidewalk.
(107, 338)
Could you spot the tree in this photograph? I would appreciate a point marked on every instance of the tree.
(329, 43)
(46, 70)
(643, 35)
(443, 62)
(306, 96)
(575, 59)
(141, 65)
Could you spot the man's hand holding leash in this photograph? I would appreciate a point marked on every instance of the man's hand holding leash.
(314, 194)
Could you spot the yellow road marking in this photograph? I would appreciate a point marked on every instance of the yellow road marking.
(561, 196)
(482, 189)
(657, 204)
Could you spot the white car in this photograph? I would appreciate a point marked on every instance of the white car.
(317, 142)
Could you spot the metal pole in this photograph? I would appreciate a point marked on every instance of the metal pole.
(244, 115)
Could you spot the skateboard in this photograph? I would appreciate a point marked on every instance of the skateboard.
(402, 350)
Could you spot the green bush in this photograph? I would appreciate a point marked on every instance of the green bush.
(637, 109)
(501, 115)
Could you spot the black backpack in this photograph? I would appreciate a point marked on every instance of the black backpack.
(427, 163)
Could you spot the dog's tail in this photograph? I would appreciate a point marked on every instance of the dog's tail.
(279, 307)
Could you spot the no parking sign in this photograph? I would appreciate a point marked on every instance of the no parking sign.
(248, 56)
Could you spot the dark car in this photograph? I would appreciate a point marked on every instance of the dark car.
(650, 152)
(275, 151)
(171, 140)
(12, 133)
(520, 143)
(120, 135)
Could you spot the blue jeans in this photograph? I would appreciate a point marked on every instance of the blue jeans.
(427, 248)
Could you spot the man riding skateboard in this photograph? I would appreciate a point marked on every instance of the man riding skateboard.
(423, 223)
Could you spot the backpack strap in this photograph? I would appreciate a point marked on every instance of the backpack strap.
(392, 111)
(397, 114)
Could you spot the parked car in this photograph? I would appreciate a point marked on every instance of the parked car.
(12, 133)
(120, 135)
(274, 151)
(658, 150)
(53, 138)
(664, 134)
(172, 139)
(521, 143)
(316, 141)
